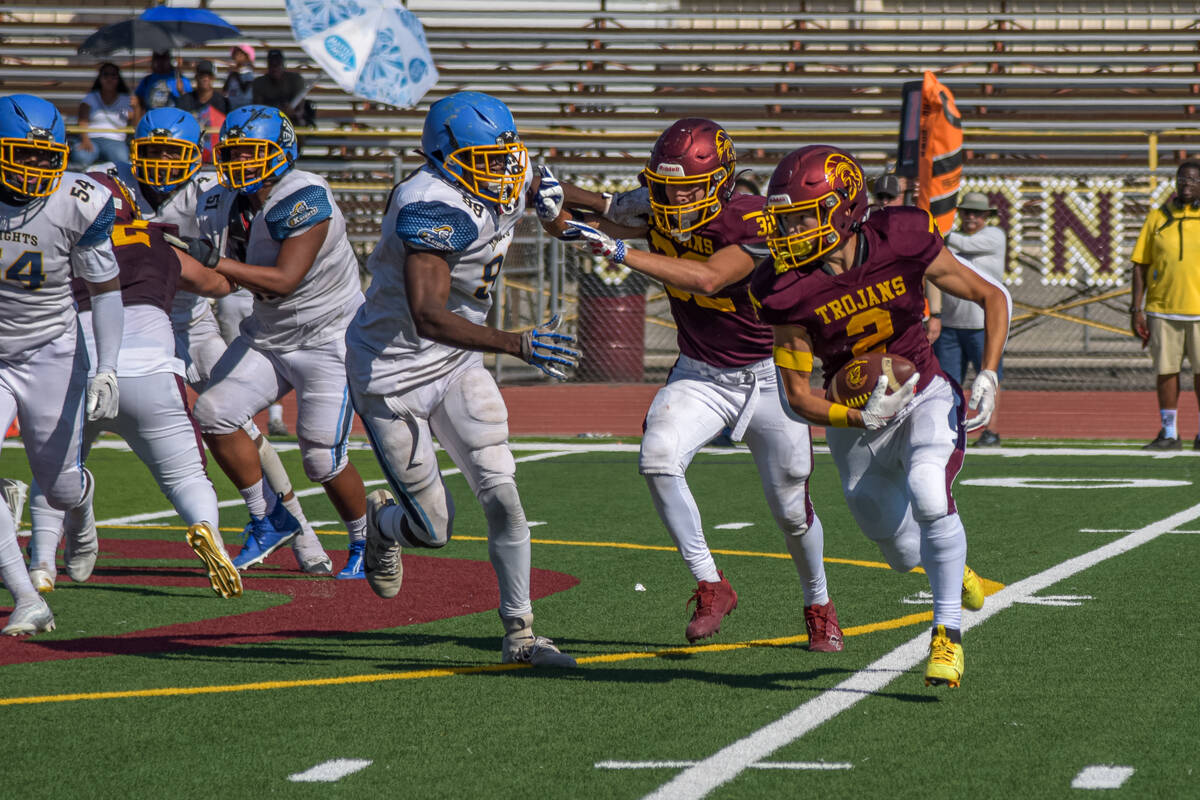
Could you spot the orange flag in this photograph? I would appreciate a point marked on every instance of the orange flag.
(940, 157)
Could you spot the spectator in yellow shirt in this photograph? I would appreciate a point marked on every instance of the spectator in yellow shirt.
(1166, 271)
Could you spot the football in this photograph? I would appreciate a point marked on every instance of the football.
(854, 382)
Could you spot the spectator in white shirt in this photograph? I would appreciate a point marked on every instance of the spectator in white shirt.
(961, 342)
(104, 113)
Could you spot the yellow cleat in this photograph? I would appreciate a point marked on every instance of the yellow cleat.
(945, 661)
(224, 577)
(972, 591)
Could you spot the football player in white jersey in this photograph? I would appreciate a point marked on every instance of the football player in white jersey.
(152, 415)
(53, 224)
(415, 360)
(304, 275)
(165, 162)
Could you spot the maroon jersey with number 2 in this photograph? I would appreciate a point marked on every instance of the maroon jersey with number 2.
(722, 330)
(876, 306)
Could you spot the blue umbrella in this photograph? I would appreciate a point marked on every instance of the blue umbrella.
(159, 28)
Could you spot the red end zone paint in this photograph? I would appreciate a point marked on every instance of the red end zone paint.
(434, 588)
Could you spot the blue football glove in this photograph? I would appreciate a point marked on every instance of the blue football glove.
(594, 240)
(549, 198)
(540, 347)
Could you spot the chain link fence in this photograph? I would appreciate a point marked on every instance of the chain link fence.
(1069, 240)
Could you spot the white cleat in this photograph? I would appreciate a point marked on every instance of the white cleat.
(310, 555)
(80, 552)
(28, 619)
(42, 578)
(381, 559)
(537, 651)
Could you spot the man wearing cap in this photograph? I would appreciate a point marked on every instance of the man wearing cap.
(203, 97)
(887, 191)
(164, 85)
(280, 88)
(961, 341)
(239, 89)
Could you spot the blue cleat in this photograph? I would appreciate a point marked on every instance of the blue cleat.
(282, 520)
(354, 564)
(261, 539)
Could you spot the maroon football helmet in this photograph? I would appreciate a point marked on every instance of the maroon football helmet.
(691, 154)
(124, 206)
(821, 183)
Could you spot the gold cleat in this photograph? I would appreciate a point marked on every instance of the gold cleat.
(945, 661)
(972, 591)
(224, 577)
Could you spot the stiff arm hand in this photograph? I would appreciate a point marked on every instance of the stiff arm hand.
(543, 348)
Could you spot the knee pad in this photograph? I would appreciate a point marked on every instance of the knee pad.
(502, 508)
(321, 463)
(210, 413)
(659, 454)
(929, 491)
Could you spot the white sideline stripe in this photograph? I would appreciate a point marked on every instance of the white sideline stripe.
(631, 447)
(330, 771)
(814, 765)
(732, 526)
(1101, 776)
(133, 519)
(724, 765)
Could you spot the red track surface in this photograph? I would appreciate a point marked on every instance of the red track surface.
(574, 408)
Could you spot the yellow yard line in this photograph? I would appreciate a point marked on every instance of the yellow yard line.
(182, 691)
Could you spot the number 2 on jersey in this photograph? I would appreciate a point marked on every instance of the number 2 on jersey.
(878, 318)
(27, 270)
(491, 271)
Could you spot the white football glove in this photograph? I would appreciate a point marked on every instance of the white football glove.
(102, 398)
(539, 347)
(594, 240)
(549, 198)
(983, 399)
(882, 408)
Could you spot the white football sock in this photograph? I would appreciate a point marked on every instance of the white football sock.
(12, 565)
(508, 547)
(808, 550)
(272, 467)
(678, 511)
(944, 554)
(357, 528)
(256, 501)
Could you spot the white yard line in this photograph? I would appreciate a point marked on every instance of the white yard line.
(1101, 776)
(726, 764)
(330, 771)
(134, 519)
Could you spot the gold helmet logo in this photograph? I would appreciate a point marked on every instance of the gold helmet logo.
(841, 170)
(724, 146)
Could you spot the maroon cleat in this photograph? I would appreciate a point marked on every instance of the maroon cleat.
(824, 633)
(714, 600)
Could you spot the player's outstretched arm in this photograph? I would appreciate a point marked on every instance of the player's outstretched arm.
(194, 276)
(727, 265)
(296, 257)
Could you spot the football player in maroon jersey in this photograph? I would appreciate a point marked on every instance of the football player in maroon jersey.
(704, 242)
(842, 283)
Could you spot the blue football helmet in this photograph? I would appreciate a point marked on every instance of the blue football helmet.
(471, 139)
(165, 152)
(255, 143)
(33, 146)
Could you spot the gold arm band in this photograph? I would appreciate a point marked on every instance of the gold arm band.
(793, 359)
(839, 416)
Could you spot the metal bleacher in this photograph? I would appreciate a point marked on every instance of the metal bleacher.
(1103, 89)
(592, 80)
